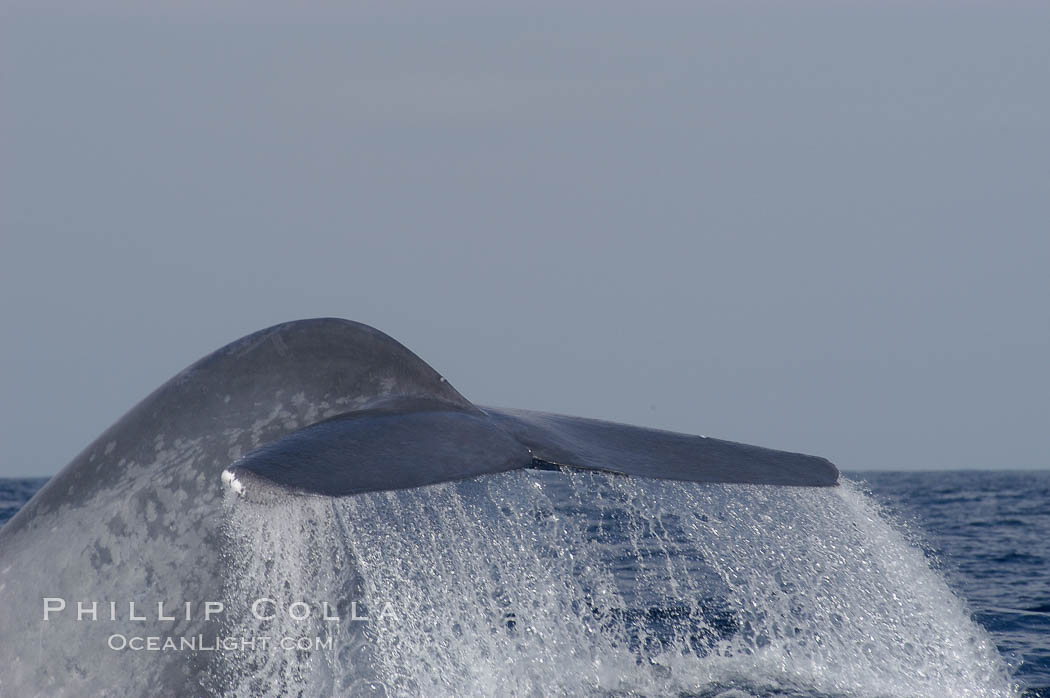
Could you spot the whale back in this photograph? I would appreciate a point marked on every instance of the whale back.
(138, 515)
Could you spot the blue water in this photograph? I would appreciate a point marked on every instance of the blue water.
(985, 532)
(988, 533)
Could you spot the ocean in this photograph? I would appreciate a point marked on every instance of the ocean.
(983, 533)
(988, 533)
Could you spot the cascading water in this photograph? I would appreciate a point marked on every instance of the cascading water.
(538, 583)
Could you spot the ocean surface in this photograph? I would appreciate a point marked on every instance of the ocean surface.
(988, 533)
(985, 534)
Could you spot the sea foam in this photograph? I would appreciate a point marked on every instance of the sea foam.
(537, 583)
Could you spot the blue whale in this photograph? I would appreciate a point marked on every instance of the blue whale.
(311, 408)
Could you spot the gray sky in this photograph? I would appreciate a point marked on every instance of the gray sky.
(813, 226)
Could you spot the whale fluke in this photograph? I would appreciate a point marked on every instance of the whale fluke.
(395, 441)
(381, 450)
(620, 448)
(318, 408)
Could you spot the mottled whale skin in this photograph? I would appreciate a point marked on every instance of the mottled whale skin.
(323, 408)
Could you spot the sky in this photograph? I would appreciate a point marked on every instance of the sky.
(815, 226)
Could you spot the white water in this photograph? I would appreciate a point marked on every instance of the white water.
(536, 583)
